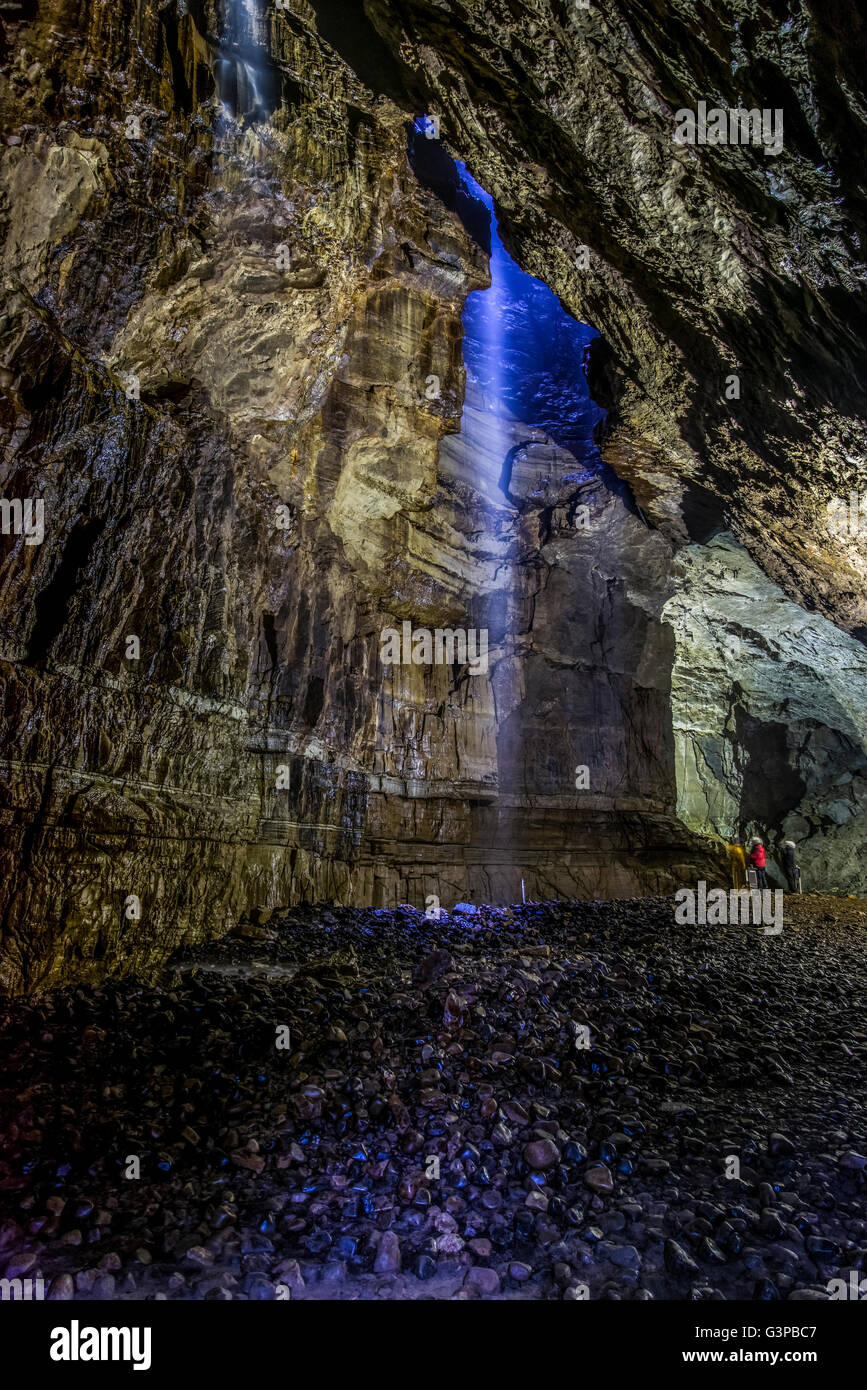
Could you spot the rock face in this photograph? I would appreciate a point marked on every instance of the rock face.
(769, 716)
(705, 261)
(227, 291)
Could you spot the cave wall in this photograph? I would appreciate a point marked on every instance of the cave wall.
(770, 717)
(241, 469)
(704, 261)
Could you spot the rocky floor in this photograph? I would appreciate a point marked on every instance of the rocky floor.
(433, 1124)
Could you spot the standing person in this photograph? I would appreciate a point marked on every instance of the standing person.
(757, 861)
(738, 862)
(790, 865)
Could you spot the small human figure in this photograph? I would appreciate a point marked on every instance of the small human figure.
(790, 865)
(738, 862)
(757, 861)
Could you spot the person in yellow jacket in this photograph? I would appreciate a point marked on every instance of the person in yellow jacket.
(738, 861)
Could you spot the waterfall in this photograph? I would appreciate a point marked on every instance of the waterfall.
(525, 355)
(485, 323)
(248, 85)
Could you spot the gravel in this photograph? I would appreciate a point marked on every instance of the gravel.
(435, 1127)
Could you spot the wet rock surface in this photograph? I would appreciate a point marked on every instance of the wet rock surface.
(371, 1104)
(576, 147)
(750, 737)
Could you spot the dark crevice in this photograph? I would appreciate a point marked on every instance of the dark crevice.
(435, 169)
(53, 603)
(350, 33)
(314, 700)
(270, 637)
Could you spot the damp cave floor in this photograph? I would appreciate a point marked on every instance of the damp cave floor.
(435, 1123)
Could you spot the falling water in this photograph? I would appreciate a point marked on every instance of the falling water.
(527, 435)
(526, 355)
(247, 85)
(485, 331)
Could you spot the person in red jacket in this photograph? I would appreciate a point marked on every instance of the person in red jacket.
(757, 861)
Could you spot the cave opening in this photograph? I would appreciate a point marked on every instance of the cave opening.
(525, 352)
(525, 355)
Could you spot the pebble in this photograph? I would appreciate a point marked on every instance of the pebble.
(598, 1178)
(198, 1255)
(20, 1265)
(541, 1153)
(62, 1288)
(388, 1259)
(780, 1147)
(624, 1256)
(487, 1281)
(677, 1261)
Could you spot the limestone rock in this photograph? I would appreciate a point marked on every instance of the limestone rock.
(228, 289)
